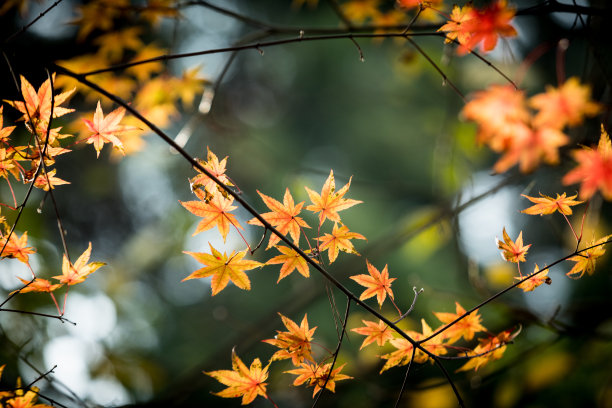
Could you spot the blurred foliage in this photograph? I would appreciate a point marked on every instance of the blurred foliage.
(285, 118)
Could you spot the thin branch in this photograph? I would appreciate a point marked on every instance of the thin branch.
(254, 46)
(416, 295)
(31, 23)
(445, 80)
(60, 318)
(331, 367)
(399, 396)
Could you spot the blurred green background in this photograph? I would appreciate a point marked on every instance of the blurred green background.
(285, 118)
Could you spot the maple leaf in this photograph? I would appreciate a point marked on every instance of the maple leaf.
(38, 285)
(295, 343)
(497, 110)
(283, 217)
(487, 25)
(566, 105)
(594, 169)
(5, 132)
(548, 205)
(217, 169)
(113, 43)
(339, 240)
(403, 353)
(454, 28)
(377, 283)
(528, 146)
(493, 347)
(17, 247)
(241, 381)
(188, 86)
(374, 332)
(8, 163)
(534, 280)
(73, 273)
(330, 201)
(291, 260)
(44, 181)
(223, 269)
(316, 375)
(359, 11)
(106, 129)
(215, 212)
(512, 251)
(465, 327)
(98, 15)
(585, 261)
(37, 106)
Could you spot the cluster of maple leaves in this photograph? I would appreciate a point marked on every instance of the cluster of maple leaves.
(214, 206)
(20, 397)
(526, 131)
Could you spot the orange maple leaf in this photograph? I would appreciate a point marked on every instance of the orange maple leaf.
(339, 240)
(534, 280)
(594, 169)
(283, 217)
(106, 129)
(585, 261)
(454, 27)
(512, 251)
(548, 205)
(330, 201)
(316, 375)
(5, 132)
(295, 343)
(465, 327)
(566, 105)
(528, 146)
(37, 107)
(241, 381)
(374, 332)
(493, 348)
(215, 212)
(487, 25)
(377, 283)
(73, 273)
(223, 269)
(38, 285)
(291, 260)
(217, 168)
(403, 354)
(17, 247)
(48, 180)
(497, 110)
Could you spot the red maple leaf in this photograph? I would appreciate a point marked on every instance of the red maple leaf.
(594, 170)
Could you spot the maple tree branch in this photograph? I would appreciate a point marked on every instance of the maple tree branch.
(445, 80)
(60, 318)
(83, 80)
(399, 396)
(500, 293)
(416, 295)
(335, 354)
(31, 23)
(255, 46)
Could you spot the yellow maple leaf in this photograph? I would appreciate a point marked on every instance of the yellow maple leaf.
(223, 268)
